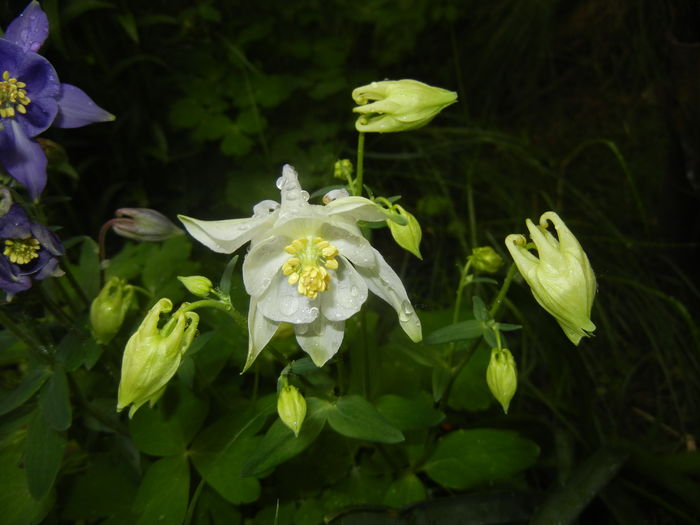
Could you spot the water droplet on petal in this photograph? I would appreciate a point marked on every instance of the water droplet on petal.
(265, 283)
(354, 291)
(405, 311)
(279, 183)
(305, 195)
(313, 311)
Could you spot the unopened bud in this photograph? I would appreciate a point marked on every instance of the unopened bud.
(197, 285)
(407, 235)
(144, 224)
(484, 259)
(502, 376)
(109, 308)
(291, 407)
(153, 355)
(398, 105)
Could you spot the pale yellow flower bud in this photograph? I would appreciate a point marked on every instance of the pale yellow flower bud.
(502, 376)
(561, 278)
(109, 308)
(408, 235)
(153, 355)
(197, 285)
(485, 259)
(291, 407)
(398, 105)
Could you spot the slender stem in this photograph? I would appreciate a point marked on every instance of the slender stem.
(463, 281)
(470, 210)
(496, 304)
(73, 281)
(207, 303)
(103, 233)
(359, 165)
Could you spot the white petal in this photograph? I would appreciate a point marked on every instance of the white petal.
(350, 243)
(260, 331)
(283, 303)
(384, 282)
(320, 339)
(262, 262)
(356, 208)
(346, 293)
(293, 197)
(228, 235)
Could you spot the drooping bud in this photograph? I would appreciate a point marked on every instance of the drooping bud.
(109, 308)
(144, 224)
(197, 285)
(408, 235)
(399, 105)
(502, 376)
(484, 259)
(153, 355)
(291, 407)
(561, 279)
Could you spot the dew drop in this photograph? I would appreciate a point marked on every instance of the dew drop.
(305, 195)
(279, 183)
(265, 283)
(354, 291)
(288, 305)
(313, 311)
(405, 311)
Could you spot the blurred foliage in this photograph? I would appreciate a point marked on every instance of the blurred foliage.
(587, 107)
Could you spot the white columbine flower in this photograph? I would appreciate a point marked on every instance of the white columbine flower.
(308, 265)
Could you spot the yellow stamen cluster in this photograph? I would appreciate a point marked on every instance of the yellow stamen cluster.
(13, 96)
(21, 251)
(308, 267)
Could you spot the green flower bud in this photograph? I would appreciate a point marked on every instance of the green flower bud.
(561, 279)
(408, 235)
(484, 259)
(291, 407)
(342, 169)
(109, 308)
(502, 376)
(153, 355)
(144, 224)
(197, 284)
(401, 105)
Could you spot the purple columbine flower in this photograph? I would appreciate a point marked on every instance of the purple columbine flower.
(29, 251)
(32, 99)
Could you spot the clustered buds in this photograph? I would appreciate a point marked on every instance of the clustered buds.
(502, 376)
(109, 308)
(153, 355)
(291, 407)
(561, 279)
(398, 105)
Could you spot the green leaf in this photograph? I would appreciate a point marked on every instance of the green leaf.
(409, 413)
(87, 273)
(54, 400)
(164, 492)
(279, 443)
(470, 390)
(18, 506)
(566, 503)
(168, 428)
(221, 450)
(480, 311)
(468, 458)
(404, 491)
(27, 388)
(440, 379)
(355, 417)
(42, 456)
(471, 329)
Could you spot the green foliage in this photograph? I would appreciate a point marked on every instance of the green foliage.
(585, 108)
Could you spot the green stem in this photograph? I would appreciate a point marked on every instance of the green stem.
(464, 280)
(496, 304)
(359, 165)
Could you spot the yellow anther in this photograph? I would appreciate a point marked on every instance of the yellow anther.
(13, 97)
(21, 251)
(308, 268)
